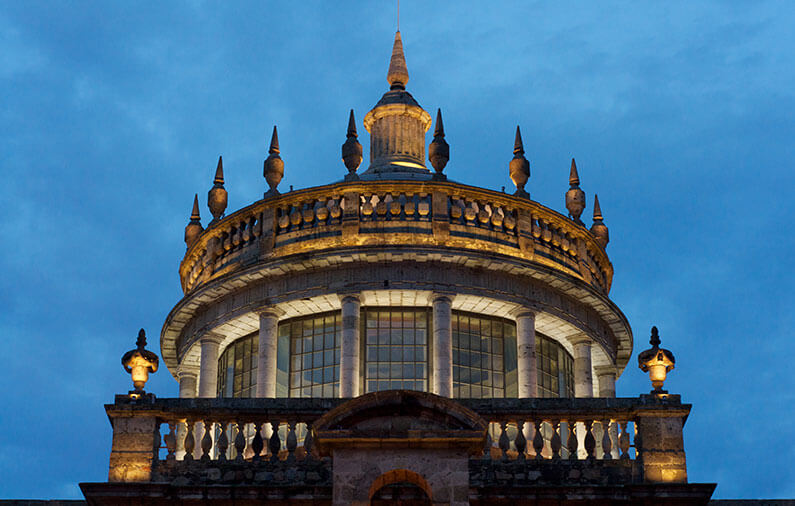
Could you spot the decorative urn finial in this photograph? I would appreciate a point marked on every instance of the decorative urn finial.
(519, 167)
(658, 362)
(352, 150)
(575, 197)
(599, 229)
(273, 169)
(217, 197)
(439, 150)
(398, 73)
(194, 227)
(139, 363)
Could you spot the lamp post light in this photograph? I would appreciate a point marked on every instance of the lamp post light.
(139, 363)
(658, 362)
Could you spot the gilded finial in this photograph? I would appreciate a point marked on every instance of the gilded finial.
(194, 227)
(139, 363)
(398, 74)
(439, 150)
(575, 197)
(599, 229)
(217, 197)
(273, 169)
(519, 168)
(352, 150)
(658, 362)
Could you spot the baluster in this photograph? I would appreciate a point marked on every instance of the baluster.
(380, 208)
(223, 441)
(322, 213)
(456, 209)
(607, 444)
(471, 211)
(308, 214)
(171, 441)
(424, 206)
(292, 441)
(207, 440)
(487, 445)
(536, 228)
(409, 207)
(275, 444)
(590, 440)
(257, 444)
(497, 216)
(521, 441)
(504, 443)
(295, 216)
(367, 207)
(623, 442)
(572, 442)
(510, 221)
(638, 441)
(484, 215)
(240, 442)
(308, 442)
(538, 439)
(556, 442)
(335, 209)
(395, 207)
(190, 441)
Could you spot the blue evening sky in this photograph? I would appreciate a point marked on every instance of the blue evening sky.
(681, 116)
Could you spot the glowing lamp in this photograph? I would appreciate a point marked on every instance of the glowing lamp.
(658, 362)
(139, 363)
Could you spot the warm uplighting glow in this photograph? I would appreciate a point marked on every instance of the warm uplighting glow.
(658, 362)
(139, 363)
(409, 164)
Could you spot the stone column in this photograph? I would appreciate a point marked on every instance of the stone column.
(349, 352)
(606, 377)
(526, 362)
(583, 379)
(442, 345)
(267, 351)
(134, 446)
(187, 382)
(208, 370)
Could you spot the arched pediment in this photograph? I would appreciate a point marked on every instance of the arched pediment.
(400, 418)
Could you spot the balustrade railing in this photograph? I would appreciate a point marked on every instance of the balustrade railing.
(169, 434)
(427, 213)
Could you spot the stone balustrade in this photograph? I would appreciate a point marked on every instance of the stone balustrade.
(637, 439)
(408, 213)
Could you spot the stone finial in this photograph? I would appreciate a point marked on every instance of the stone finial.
(273, 169)
(194, 227)
(352, 150)
(519, 167)
(439, 150)
(658, 362)
(217, 197)
(575, 197)
(139, 363)
(599, 229)
(398, 74)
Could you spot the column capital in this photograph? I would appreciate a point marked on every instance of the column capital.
(580, 339)
(268, 310)
(605, 369)
(346, 297)
(523, 311)
(212, 337)
(188, 371)
(439, 295)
